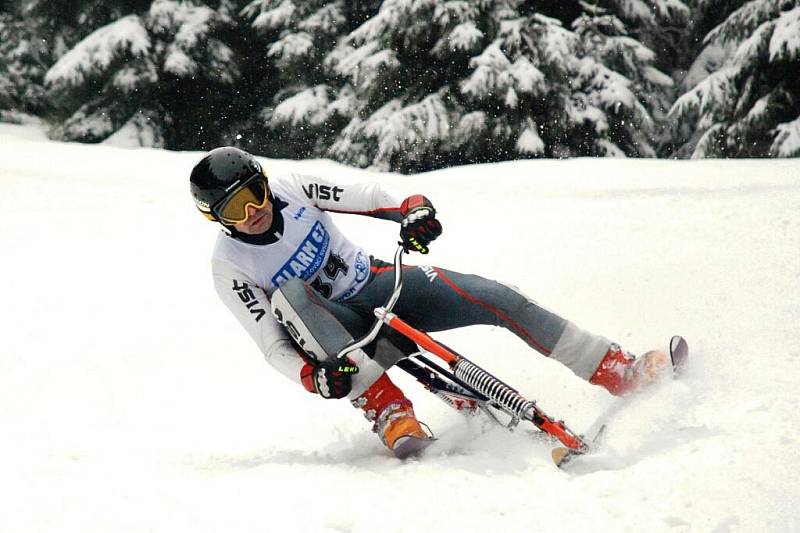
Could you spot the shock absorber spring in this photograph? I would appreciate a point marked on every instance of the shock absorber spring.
(493, 388)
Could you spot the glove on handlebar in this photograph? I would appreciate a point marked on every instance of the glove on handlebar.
(331, 379)
(419, 226)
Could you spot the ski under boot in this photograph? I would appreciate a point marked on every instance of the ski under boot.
(400, 431)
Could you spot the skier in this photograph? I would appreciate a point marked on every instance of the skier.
(303, 291)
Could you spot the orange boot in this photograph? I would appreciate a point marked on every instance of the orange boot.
(621, 373)
(393, 416)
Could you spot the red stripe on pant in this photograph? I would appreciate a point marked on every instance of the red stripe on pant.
(382, 269)
(495, 311)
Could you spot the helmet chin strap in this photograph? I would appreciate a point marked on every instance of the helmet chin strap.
(228, 230)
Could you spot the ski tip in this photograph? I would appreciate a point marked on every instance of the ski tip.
(410, 446)
(678, 351)
(676, 343)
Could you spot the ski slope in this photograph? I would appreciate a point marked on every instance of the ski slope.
(131, 401)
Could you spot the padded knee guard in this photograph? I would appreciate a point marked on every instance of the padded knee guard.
(300, 310)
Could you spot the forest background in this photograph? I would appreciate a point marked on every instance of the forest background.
(410, 85)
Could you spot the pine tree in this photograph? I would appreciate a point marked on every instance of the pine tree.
(23, 63)
(630, 91)
(293, 89)
(694, 62)
(400, 69)
(750, 107)
(66, 22)
(661, 25)
(435, 83)
(292, 38)
(151, 77)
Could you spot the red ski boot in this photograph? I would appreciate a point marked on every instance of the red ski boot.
(393, 416)
(621, 373)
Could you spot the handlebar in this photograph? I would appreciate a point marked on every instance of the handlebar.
(381, 312)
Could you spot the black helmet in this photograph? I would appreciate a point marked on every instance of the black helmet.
(219, 174)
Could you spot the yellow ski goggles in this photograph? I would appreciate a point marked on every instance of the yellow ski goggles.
(233, 208)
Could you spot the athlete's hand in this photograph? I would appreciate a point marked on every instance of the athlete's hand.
(330, 379)
(419, 226)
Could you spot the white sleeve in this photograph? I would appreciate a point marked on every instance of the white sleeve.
(368, 199)
(250, 305)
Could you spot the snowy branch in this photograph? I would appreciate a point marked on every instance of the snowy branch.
(96, 52)
(787, 139)
(309, 106)
(785, 42)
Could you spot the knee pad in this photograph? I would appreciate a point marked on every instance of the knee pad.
(289, 304)
(298, 309)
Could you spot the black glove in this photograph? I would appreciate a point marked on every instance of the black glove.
(332, 378)
(419, 226)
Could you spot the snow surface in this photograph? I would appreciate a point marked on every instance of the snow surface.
(130, 400)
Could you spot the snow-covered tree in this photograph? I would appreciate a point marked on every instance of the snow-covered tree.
(694, 62)
(152, 77)
(661, 25)
(428, 83)
(750, 107)
(400, 71)
(293, 94)
(24, 57)
(61, 24)
(632, 93)
(412, 84)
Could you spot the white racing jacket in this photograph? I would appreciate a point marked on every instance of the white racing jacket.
(310, 247)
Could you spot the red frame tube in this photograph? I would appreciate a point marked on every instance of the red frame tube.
(547, 424)
(422, 339)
